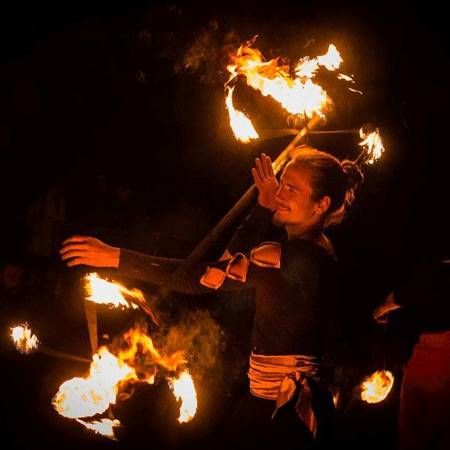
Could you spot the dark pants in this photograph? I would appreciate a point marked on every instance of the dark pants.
(424, 420)
(252, 427)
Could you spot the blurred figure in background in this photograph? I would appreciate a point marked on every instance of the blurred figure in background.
(424, 417)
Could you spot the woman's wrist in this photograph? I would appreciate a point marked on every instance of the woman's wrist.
(115, 257)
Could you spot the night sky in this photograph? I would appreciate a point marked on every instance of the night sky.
(94, 88)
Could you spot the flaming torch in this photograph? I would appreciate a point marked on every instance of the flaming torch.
(104, 292)
(372, 145)
(183, 388)
(81, 398)
(24, 340)
(298, 95)
(377, 386)
(111, 293)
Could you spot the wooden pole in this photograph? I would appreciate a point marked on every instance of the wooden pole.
(234, 213)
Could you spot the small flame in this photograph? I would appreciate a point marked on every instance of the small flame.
(373, 144)
(106, 292)
(343, 76)
(332, 59)
(103, 426)
(377, 386)
(183, 388)
(23, 338)
(241, 125)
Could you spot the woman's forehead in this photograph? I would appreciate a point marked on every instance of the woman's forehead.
(296, 175)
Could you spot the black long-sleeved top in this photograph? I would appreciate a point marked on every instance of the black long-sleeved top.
(295, 304)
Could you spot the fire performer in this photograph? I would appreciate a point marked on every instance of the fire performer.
(424, 416)
(295, 287)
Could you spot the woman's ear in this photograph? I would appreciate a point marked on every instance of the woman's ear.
(322, 205)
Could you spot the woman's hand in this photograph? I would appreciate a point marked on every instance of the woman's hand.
(380, 313)
(86, 250)
(265, 181)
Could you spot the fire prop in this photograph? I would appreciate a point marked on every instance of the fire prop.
(372, 145)
(24, 340)
(184, 390)
(298, 94)
(104, 292)
(377, 386)
(139, 362)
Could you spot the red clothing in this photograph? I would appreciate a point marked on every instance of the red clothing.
(424, 421)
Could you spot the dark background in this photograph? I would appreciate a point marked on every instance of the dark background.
(99, 94)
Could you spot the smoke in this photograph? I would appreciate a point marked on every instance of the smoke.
(198, 335)
(207, 55)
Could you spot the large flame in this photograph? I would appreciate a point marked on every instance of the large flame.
(297, 95)
(241, 125)
(137, 361)
(373, 144)
(104, 426)
(183, 388)
(24, 340)
(377, 386)
(86, 397)
(110, 292)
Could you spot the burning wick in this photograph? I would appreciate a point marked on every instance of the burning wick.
(23, 338)
(377, 386)
(106, 292)
(373, 145)
(183, 388)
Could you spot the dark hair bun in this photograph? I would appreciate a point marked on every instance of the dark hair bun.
(354, 175)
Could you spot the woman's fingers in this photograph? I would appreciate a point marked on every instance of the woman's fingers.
(70, 247)
(260, 169)
(256, 178)
(73, 254)
(76, 240)
(268, 164)
(264, 166)
(77, 262)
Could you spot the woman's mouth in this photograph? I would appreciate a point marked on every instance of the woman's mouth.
(281, 208)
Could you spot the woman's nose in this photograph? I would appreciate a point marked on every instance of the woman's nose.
(279, 193)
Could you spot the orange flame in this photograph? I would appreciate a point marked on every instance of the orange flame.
(377, 386)
(85, 397)
(298, 95)
(241, 125)
(373, 143)
(23, 338)
(104, 426)
(106, 292)
(183, 388)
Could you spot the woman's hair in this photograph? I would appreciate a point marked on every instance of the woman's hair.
(329, 177)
